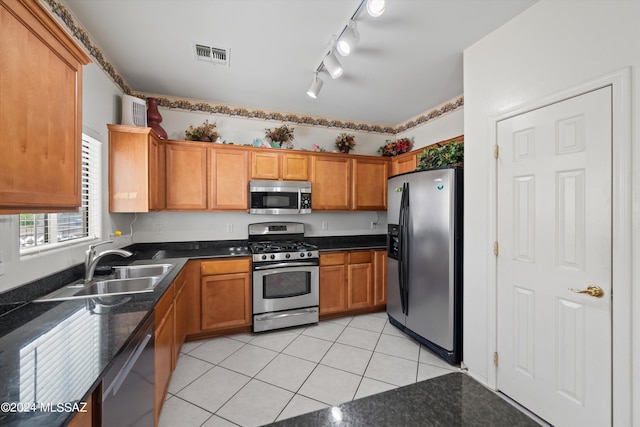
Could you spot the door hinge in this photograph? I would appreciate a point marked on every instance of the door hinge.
(495, 358)
(496, 151)
(495, 248)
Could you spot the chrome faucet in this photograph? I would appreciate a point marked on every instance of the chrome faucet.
(91, 258)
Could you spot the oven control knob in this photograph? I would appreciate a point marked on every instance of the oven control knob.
(272, 257)
(301, 254)
(264, 257)
(309, 254)
(287, 256)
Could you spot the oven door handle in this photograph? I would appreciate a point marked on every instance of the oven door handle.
(281, 315)
(285, 264)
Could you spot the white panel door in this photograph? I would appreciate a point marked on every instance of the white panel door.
(554, 234)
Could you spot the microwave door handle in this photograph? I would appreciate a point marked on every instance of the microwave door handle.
(299, 199)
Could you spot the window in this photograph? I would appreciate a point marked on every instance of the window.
(48, 230)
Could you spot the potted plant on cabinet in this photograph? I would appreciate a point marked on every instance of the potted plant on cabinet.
(434, 156)
(206, 132)
(345, 142)
(281, 136)
(393, 148)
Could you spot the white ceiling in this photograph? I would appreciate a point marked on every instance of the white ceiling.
(408, 61)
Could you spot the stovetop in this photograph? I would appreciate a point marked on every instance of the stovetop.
(283, 250)
(281, 246)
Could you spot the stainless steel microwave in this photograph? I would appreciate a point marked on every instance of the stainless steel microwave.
(279, 197)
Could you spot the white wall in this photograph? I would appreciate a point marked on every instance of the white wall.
(444, 127)
(553, 46)
(242, 131)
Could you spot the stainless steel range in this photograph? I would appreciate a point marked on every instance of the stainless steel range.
(285, 276)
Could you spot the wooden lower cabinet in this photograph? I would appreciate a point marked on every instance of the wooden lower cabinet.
(164, 341)
(333, 289)
(181, 308)
(225, 299)
(380, 278)
(352, 282)
(91, 416)
(360, 280)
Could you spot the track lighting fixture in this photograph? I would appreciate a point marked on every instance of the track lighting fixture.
(332, 65)
(315, 86)
(344, 44)
(376, 8)
(348, 40)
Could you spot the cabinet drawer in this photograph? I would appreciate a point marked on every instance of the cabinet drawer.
(360, 257)
(236, 265)
(336, 258)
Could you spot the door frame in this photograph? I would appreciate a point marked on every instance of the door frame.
(625, 235)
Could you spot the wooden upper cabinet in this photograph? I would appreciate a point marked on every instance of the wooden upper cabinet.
(295, 167)
(370, 184)
(40, 112)
(136, 169)
(265, 165)
(404, 163)
(228, 179)
(275, 165)
(186, 176)
(331, 182)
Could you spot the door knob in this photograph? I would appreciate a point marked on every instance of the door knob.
(594, 291)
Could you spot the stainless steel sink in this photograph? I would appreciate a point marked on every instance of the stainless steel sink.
(129, 279)
(118, 287)
(135, 271)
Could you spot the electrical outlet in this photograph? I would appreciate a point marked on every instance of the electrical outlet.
(325, 225)
(373, 224)
(229, 228)
(1, 263)
(159, 228)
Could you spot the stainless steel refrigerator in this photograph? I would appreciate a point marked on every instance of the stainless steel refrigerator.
(424, 258)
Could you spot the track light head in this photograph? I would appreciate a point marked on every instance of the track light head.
(376, 8)
(348, 40)
(332, 65)
(315, 86)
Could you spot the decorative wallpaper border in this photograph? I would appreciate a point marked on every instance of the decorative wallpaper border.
(61, 11)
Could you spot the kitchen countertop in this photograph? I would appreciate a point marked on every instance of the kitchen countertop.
(450, 400)
(57, 352)
(75, 345)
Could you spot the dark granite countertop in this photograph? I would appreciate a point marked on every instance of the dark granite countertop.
(57, 352)
(450, 400)
(75, 344)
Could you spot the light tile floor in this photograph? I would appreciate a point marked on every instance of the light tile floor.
(254, 379)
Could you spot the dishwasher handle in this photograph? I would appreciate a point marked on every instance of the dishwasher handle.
(124, 372)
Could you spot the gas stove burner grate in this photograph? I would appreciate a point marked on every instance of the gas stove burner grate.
(275, 247)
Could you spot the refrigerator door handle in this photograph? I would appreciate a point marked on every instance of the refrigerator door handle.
(401, 248)
(406, 250)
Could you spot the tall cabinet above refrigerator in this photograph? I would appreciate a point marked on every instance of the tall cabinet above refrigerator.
(424, 258)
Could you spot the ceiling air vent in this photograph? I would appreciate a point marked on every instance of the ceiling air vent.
(215, 55)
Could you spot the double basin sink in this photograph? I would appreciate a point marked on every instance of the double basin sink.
(126, 279)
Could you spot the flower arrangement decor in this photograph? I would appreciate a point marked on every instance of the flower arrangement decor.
(282, 136)
(345, 142)
(433, 156)
(206, 132)
(393, 148)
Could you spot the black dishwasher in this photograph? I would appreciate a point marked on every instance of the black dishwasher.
(127, 388)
